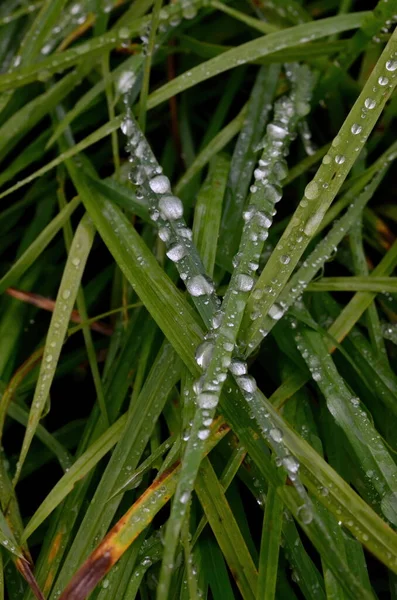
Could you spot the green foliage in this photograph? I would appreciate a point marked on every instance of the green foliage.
(222, 176)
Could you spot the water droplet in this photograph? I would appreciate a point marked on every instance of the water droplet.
(274, 193)
(124, 33)
(326, 159)
(370, 103)
(291, 464)
(356, 129)
(391, 65)
(164, 234)
(126, 81)
(305, 513)
(383, 80)
(199, 286)
(276, 132)
(244, 283)
(170, 207)
(276, 434)
(311, 190)
(276, 312)
(203, 434)
(247, 384)
(207, 400)
(238, 367)
(339, 159)
(285, 259)
(160, 185)
(177, 252)
(75, 262)
(127, 126)
(105, 583)
(204, 354)
(184, 497)
(65, 294)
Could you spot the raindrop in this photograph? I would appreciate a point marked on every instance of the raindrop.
(339, 159)
(311, 190)
(277, 132)
(391, 65)
(356, 129)
(199, 286)
(383, 80)
(276, 312)
(127, 127)
(160, 185)
(244, 283)
(370, 103)
(238, 367)
(247, 384)
(184, 497)
(177, 252)
(170, 207)
(305, 513)
(204, 354)
(285, 259)
(276, 434)
(207, 400)
(203, 434)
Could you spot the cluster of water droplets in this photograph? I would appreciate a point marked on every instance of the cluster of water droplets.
(166, 212)
(170, 17)
(74, 15)
(219, 354)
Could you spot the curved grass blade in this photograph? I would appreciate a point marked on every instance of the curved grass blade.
(66, 298)
(99, 134)
(244, 157)
(75, 473)
(215, 354)
(37, 247)
(251, 51)
(207, 214)
(130, 526)
(317, 199)
(270, 546)
(226, 530)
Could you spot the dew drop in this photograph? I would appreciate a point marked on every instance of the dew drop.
(204, 354)
(238, 367)
(356, 129)
(177, 252)
(244, 283)
(65, 294)
(276, 434)
(285, 259)
(127, 127)
(311, 190)
(171, 207)
(305, 513)
(339, 159)
(184, 497)
(383, 80)
(160, 185)
(203, 434)
(370, 103)
(199, 286)
(391, 65)
(276, 312)
(207, 400)
(247, 384)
